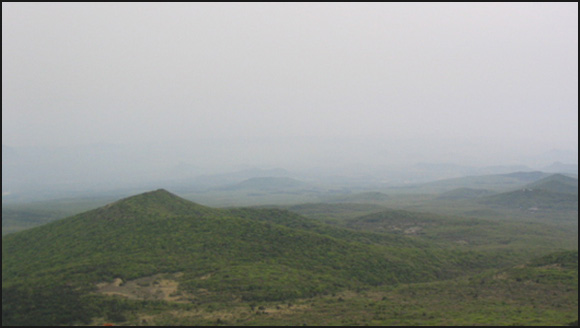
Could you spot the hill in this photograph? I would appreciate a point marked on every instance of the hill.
(556, 183)
(207, 255)
(533, 200)
(364, 197)
(268, 184)
(494, 182)
(333, 212)
(468, 232)
(464, 193)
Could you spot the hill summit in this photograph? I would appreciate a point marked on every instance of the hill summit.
(556, 191)
(153, 204)
(207, 253)
(556, 183)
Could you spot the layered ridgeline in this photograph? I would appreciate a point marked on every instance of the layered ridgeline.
(553, 192)
(60, 273)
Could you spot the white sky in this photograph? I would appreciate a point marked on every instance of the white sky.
(493, 74)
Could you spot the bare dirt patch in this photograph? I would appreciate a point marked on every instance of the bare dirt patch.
(157, 287)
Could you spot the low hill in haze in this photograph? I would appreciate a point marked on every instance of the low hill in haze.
(556, 183)
(364, 197)
(464, 193)
(495, 182)
(268, 184)
(533, 200)
(553, 192)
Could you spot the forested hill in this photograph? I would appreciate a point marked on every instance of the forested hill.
(246, 254)
(160, 232)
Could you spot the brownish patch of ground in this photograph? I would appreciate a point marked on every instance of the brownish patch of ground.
(157, 287)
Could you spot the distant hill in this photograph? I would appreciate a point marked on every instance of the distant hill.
(556, 183)
(525, 176)
(268, 184)
(464, 193)
(333, 211)
(394, 221)
(205, 253)
(533, 200)
(495, 182)
(365, 197)
(553, 192)
(217, 180)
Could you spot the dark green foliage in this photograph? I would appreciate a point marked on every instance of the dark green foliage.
(54, 305)
(249, 253)
(565, 259)
(225, 256)
(295, 221)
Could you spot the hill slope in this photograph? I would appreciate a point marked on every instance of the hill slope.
(533, 199)
(556, 183)
(464, 193)
(210, 254)
(495, 182)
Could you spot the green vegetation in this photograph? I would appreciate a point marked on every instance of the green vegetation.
(158, 259)
(334, 213)
(468, 233)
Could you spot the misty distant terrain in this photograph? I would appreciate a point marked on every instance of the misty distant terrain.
(44, 173)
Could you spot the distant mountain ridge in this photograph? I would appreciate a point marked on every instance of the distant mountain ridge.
(464, 193)
(556, 183)
(494, 182)
(554, 191)
(363, 197)
(268, 184)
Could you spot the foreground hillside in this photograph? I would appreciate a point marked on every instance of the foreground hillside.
(170, 249)
(543, 291)
(158, 259)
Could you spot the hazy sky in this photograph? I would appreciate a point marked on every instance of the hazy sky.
(492, 74)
